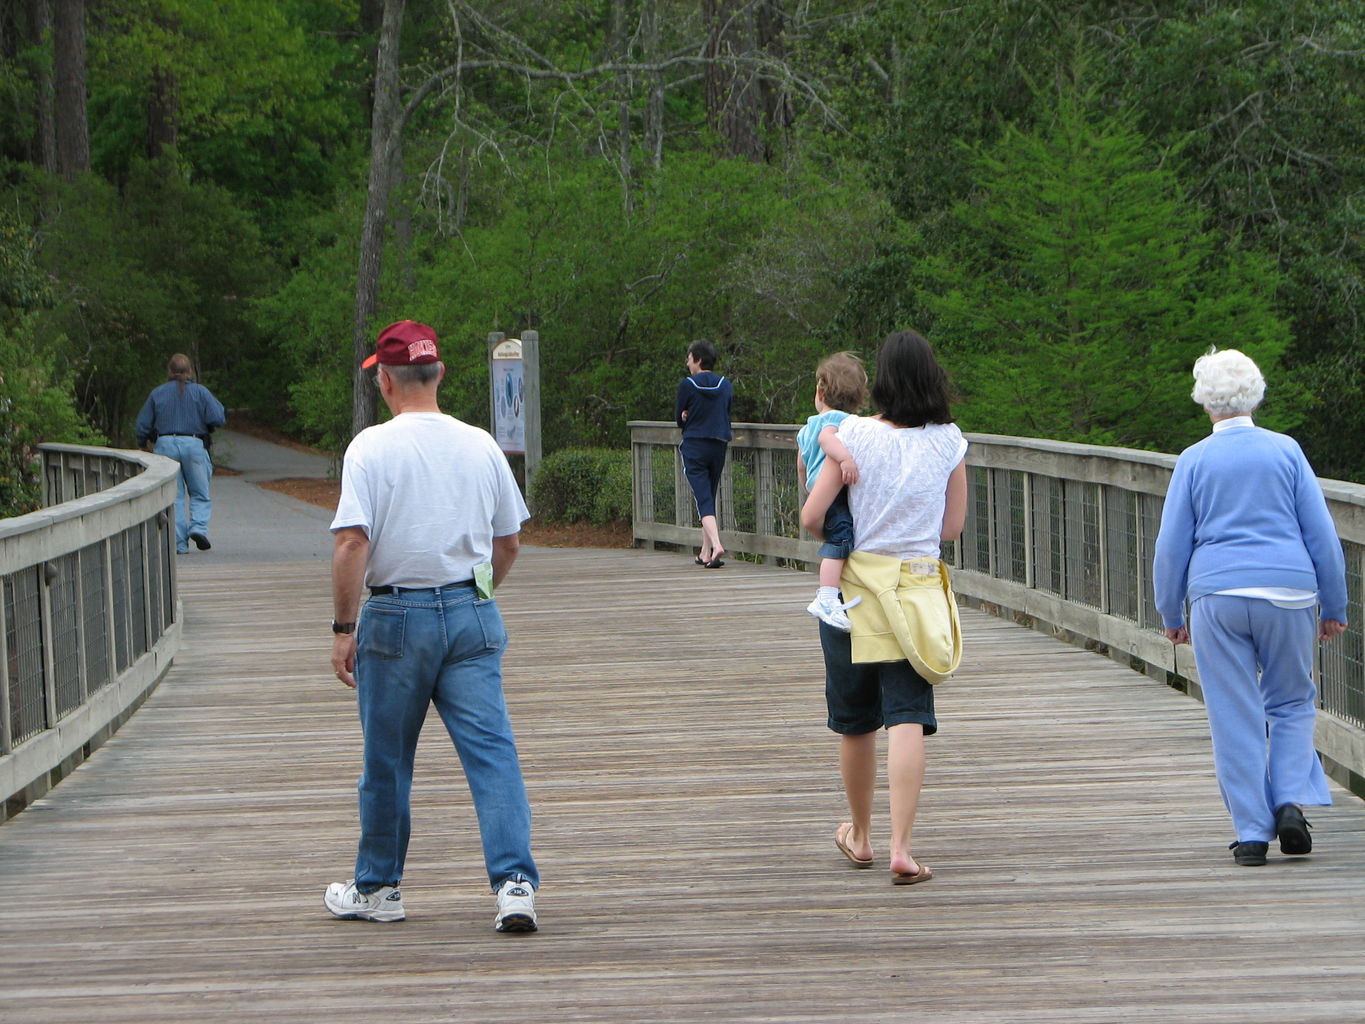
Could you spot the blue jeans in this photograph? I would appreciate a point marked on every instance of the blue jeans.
(439, 646)
(195, 470)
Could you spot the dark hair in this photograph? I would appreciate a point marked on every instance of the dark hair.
(911, 389)
(703, 352)
(842, 381)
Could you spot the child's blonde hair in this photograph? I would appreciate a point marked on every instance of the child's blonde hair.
(842, 382)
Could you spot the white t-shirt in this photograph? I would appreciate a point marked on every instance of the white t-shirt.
(431, 493)
(897, 503)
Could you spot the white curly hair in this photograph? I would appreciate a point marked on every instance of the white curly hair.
(1227, 383)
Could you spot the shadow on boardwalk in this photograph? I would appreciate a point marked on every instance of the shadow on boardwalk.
(685, 791)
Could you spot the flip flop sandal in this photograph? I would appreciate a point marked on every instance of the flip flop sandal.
(924, 873)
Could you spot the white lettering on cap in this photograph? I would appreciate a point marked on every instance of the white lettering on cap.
(421, 347)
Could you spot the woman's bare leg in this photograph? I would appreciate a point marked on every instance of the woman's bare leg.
(858, 765)
(711, 547)
(905, 769)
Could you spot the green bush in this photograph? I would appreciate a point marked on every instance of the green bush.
(583, 484)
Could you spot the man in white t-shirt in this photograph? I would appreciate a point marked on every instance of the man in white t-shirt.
(428, 521)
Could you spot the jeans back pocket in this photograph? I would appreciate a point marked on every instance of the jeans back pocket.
(381, 631)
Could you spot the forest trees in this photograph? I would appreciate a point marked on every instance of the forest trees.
(1077, 282)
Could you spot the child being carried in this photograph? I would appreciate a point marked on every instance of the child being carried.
(840, 391)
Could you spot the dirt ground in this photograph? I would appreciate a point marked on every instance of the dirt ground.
(326, 492)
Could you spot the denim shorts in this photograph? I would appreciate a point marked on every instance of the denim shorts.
(838, 528)
(863, 698)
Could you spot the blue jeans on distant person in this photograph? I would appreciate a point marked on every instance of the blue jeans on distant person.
(195, 470)
(439, 646)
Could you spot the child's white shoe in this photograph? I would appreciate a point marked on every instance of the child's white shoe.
(832, 612)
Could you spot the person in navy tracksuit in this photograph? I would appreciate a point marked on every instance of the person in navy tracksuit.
(702, 410)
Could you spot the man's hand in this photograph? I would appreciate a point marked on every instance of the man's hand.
(1179, 635)
(343, 657)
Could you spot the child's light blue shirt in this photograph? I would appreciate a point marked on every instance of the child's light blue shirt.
(808, 441)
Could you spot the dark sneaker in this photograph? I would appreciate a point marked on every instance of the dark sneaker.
(1249, 855)
(1292, 828)
(200, 541)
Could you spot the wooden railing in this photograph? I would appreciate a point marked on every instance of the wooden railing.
(88, 610)
(1059, 537)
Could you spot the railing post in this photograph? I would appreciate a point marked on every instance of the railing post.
(46, 572)
(6, 727)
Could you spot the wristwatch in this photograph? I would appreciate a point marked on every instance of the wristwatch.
(343, 627)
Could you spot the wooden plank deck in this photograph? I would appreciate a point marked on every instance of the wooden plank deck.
(685, 791)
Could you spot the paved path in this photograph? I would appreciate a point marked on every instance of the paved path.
(254, 524)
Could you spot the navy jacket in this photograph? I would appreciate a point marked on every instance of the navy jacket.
(705, 397)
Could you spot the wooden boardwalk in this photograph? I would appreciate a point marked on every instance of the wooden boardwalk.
(685, 791)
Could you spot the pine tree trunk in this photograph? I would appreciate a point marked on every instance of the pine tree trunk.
(382, 166)
(45, 136)
(72, 131)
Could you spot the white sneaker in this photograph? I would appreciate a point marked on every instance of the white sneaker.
(516, 907)
(833, 612)
(349, 904)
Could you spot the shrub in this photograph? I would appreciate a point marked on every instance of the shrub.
(583, 484)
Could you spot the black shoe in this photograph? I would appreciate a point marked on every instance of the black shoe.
(1292, 828)
(1249, 855)
(200, 541)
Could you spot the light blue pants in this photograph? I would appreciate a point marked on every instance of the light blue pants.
(1255, 664)
(440, 646)
(195, 470)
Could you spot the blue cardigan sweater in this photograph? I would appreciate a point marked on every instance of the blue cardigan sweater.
(1244, 509)
(706, 399)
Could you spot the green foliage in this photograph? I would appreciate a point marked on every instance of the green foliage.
(1081, 287)
(36, 405)
(583, 485)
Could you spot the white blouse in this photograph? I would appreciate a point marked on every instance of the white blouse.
(903, 472)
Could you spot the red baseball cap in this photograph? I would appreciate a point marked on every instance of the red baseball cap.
(405, 343)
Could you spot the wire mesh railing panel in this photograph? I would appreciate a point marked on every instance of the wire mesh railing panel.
(1083, 551)
(24, 653)
(976, 537)
(137, 591)
(1149, 524)
(63, 595)
(1049, 535)
(95, 617)
(118, 561)
(1123, 569)
(1342, 665)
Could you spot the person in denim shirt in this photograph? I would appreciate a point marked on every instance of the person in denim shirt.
(178, 419)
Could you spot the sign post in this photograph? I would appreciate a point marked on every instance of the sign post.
(514, 397)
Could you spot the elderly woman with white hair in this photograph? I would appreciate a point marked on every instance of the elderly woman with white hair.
(1247, 538)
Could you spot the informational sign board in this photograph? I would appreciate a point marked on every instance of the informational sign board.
(509, 396)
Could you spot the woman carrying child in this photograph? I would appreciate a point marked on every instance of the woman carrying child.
(911, 493)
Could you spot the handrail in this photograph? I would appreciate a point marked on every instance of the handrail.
(89, 615)
(1059, 537)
